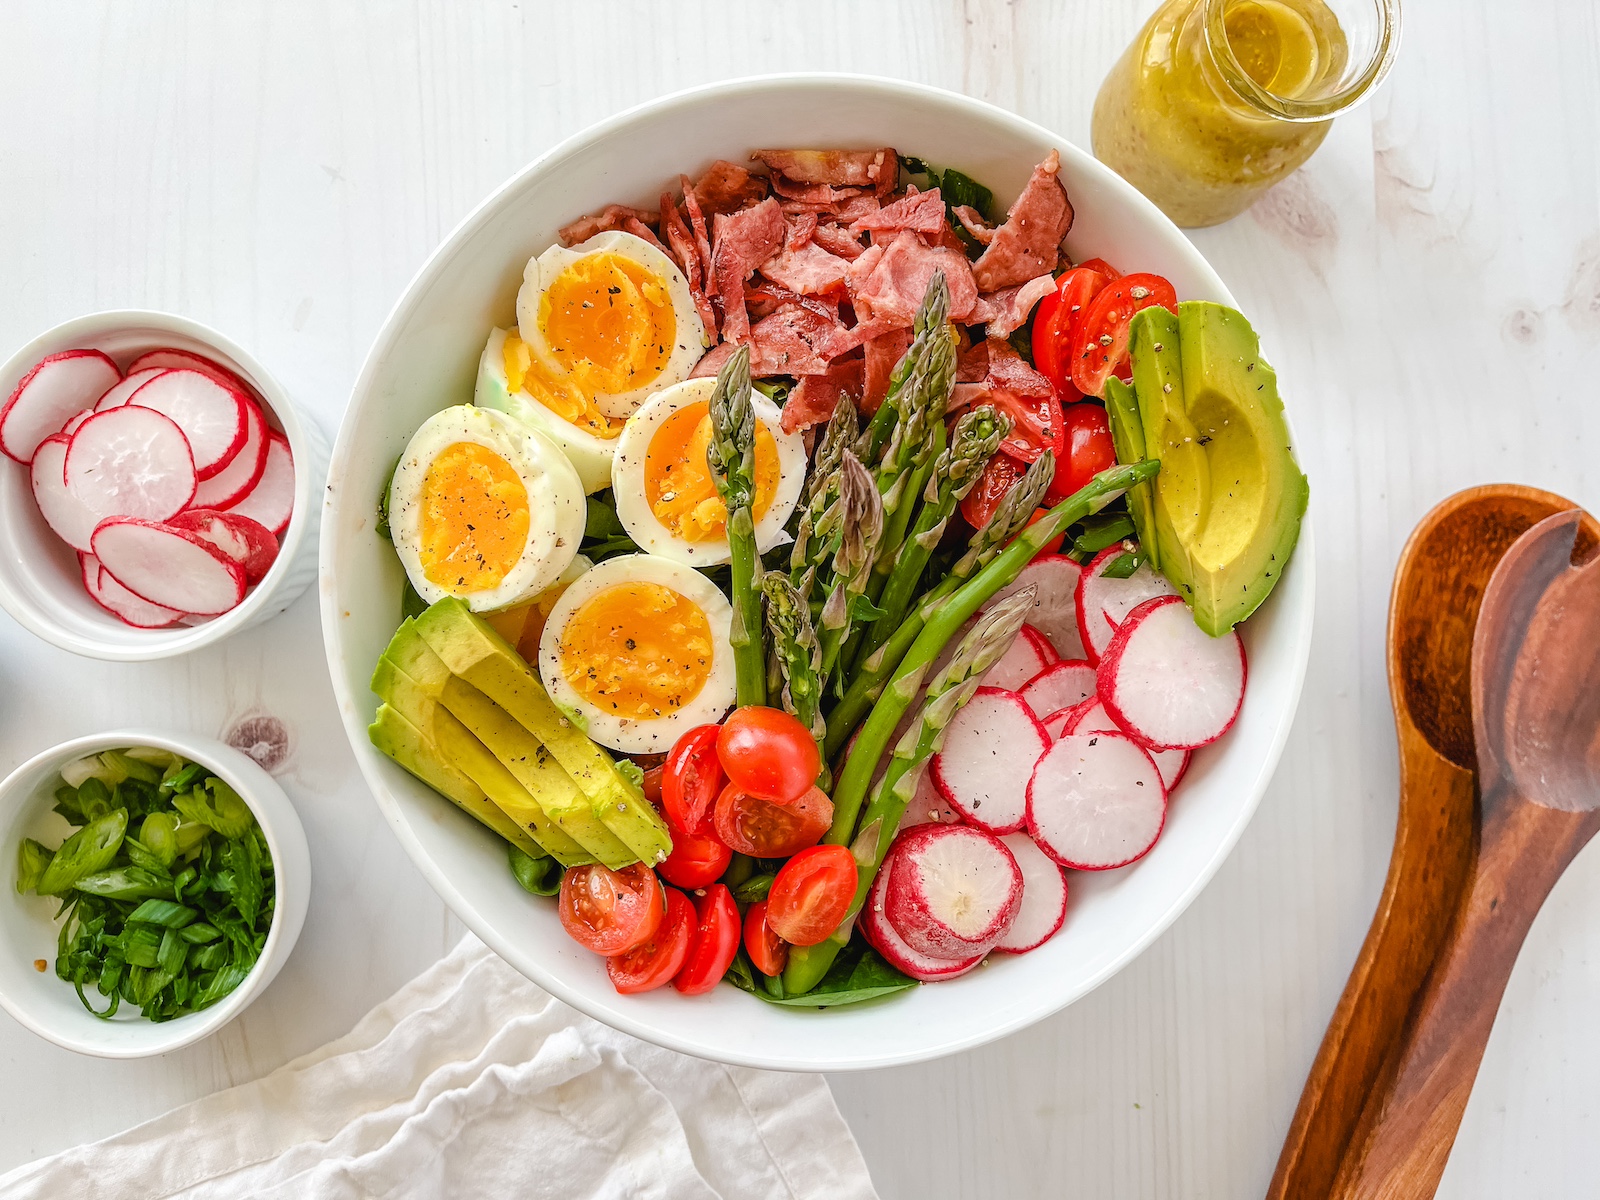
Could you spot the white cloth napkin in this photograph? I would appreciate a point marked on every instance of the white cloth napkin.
(470, 1082)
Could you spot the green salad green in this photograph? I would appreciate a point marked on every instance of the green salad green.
(166, 887)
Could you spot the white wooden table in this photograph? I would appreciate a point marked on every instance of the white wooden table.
(1428, 288)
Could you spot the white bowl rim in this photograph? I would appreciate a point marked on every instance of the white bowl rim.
(355, 726)
(171, 641)
(206, 1022)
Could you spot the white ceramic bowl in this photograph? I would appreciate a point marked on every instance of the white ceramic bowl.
(40, 584)
(425, 357)
(49, 1006)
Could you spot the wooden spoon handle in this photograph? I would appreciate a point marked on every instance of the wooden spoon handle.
(1409, 1121)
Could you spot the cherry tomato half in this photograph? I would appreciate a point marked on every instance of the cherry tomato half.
(655, 961)
(762, 829)
(769, 953)
(1097, 346)
(691, 778)
(1000, 473)
(696, 859)
(768, 753)
(812, 894)
(1035, 424)
(1101, 265)
(1089, 450)
(611, 912)
(651, 786)
(1053, 546)
(1053, 322)
(713, 943)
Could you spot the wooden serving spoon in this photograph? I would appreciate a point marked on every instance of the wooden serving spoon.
(1438, 588)
(1536, 717)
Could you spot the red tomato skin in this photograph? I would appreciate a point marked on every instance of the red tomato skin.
(657, 960)
(1035, 424)
(1089, 450)
(768, 952)
(610, 912)
(1052, 331)
(750, 825)
(1089, 359)
(712, 944)
(766, 752)
(691, 779)
(812, 894)
(651, 785)
(695, 861)
(1053, 546)
(999, 474)
(1101, 265)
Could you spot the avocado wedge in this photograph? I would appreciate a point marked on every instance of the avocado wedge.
(1224, 514)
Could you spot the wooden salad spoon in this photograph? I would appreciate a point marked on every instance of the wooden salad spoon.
(1536, 718)
(1439, 585)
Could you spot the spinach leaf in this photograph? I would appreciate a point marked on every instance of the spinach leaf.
(541, 876)
(857, 975)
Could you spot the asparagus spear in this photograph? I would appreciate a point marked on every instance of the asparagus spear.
(940, 621)
(977, 436)
(931, 317)
(1008, 518)
(797, 650)
(731, 457)
(949, 690)
(811, 550)
(853, 523)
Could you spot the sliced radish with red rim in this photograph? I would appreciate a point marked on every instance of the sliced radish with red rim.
(119, 601)
(1044, 897)
(130, 462)
(170, 567)
(245, 541)
(271, 501)
(1059, 686)
(123, 391)
(1096, 801)
(1055, 604)
(235, 481)
(49, 395)
(882, 937)
(1091, 717)
(211, 415)
(1104, 604)
(927, 807)
(953, 891)
(1169, 683)
(169, 358)
(990, 746)
(72, 520)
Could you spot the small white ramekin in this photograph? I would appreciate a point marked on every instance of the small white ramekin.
(40, 582)
(48, 1005)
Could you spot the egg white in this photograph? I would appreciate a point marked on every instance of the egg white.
(589, 453)
(555, 502)
(627, 478)
(654, 734)
(689, 341)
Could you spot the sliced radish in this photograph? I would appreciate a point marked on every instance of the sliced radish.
(990, 746)
(1167, 682)
(233, 483)
(246, 541)
(1044, 897)
(1055, 605)
(170, 567)
(1091, 717)
(131, 462)
(881, 935)
(59, 386)
(1029, 653)
(169, 358)
(72, 520)
(1096, 801)
(927, 807)
(271, 501)
(1055, 724)
(1104, 604)
(953, 890)
(1059, 686)
(211, 415)
(119, 601)
(123, 392)
(75, 420)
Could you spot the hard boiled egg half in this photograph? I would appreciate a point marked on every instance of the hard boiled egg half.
(510, 381)
(666, 498)
(484, 508)
(636, 651)
(607, 323)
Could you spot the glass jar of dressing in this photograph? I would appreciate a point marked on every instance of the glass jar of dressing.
(1217, 100)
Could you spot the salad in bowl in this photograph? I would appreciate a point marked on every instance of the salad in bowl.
(828, 584)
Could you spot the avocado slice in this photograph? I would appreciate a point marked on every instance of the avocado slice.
(1127, 436)
(412, 749)
(1225, 510)
(543, 794)
(471, 649)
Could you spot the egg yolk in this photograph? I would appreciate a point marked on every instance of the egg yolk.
(475, 519)
(637, 650)
(677, 480)
(557, 393)
(609, 322)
